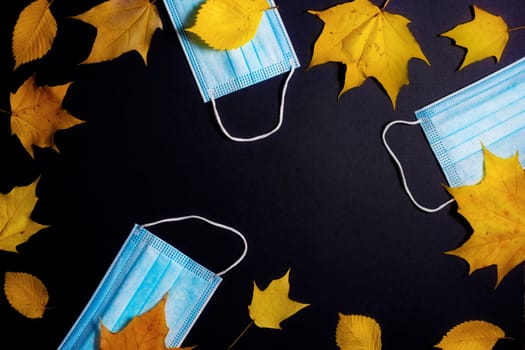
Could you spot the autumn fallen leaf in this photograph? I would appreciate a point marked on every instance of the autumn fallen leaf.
(34, 33)
(37, 114)
(494, 209)
(26, 294)
(484, 36)
(16, 225)
(143, 332)
(122, 26)
(228, 24)
(370, 42)
(358, 332)
(473, 335)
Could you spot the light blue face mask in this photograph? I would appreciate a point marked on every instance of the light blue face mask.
(220, 72)
(490, 112)
(145, 269)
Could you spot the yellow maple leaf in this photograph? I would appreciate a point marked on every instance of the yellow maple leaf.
(494, 209)
(484, 36)
(228, 24)
(143, 332)
(37, 113)
(34, 33)
(471, 335)
(358, 332)
(122, 26)
(26, 294)
(16, 226)
(271, 306)
(370, 42)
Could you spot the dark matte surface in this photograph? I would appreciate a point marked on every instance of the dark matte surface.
(321, 196)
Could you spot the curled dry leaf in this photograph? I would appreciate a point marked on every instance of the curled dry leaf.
(26, 293)
(228, 24)
(485, 36)
(34, 32)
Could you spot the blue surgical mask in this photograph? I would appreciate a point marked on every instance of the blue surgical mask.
(144, 270)
(489, 112)
(221, 72)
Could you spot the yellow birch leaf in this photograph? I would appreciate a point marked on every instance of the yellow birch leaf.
(484, 36)
(358, 332)
(37, 114)
(143, 332)
(34, 33)
(370, 42)
(271, 306)
(471, 335)
(122, 26)
(16, 226)
(26, 294)
(228, 24)
(494, 209)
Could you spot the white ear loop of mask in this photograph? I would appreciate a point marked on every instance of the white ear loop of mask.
(258, 137)
(213, 223)
(401, 171)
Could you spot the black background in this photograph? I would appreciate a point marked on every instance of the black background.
(321, 196)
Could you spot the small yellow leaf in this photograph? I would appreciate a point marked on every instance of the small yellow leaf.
(16, 226)
(34, 33)
(358, 332)
(271, 306)
(37, 114)
(471, 335)
(485, 36)
(228, 24)
(143, 332)
(122, 26)
(370, 42)
(26, 294)
(494, 209)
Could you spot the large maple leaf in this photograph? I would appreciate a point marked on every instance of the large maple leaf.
(474, 335)
(484, 36)
(143, 332)
(370, 42)
(495, 209)
(228, 24)
(37, 113)
(34, 32)
(16, 226)
(271, 306)
(122, 26)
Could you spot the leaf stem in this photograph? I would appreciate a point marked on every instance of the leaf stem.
(240, 335)
(4, 111)
(516, 28)
(385, 4)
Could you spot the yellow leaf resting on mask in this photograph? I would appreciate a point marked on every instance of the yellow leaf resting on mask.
(34, 33)
(358, 332)
(26, 294)
(122, 26)
(370, 42)
(271, 306)
(37, 113)
(471, 335)
(228, 24)
(485, 36)
(494, 209)
(16, 226)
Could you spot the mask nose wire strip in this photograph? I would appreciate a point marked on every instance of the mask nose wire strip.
(213, 223)
(258, 137)
(400, 167)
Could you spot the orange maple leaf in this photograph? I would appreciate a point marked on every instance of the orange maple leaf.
(494, 208)
(143, 332)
